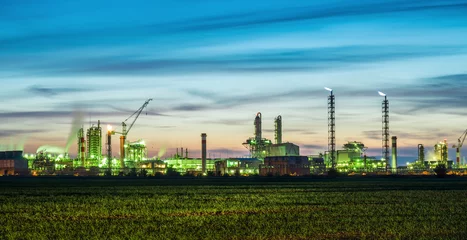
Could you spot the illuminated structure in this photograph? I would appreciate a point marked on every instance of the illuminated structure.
(283, 149)
(136, 152)
(394, 154)
(258, 146)
(237, 166)
(81, 147)
(351, 157)
(125, 131)
(421, 154)
(441, 152)
(109, 146)
(460, 143)
(94, 144)
(331, 128)
(385, 131)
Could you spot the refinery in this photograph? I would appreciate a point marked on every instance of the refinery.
(95, 156)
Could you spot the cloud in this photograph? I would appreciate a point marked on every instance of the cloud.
(53, 91)
(279, 60)
(309, 13)
(16, 132)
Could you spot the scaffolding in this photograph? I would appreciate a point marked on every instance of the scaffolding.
(94, 144)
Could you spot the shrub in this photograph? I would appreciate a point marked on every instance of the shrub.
(441, 170)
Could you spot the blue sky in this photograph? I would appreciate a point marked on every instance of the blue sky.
(211, 65)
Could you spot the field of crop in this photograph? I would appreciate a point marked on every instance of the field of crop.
(379, 208)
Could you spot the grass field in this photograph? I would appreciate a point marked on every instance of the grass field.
(358, 208)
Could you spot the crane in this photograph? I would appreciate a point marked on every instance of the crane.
(125, 131)
(458, 147)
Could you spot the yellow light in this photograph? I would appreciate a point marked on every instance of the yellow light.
(109, 128)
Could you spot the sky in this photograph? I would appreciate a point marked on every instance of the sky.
(211, 65)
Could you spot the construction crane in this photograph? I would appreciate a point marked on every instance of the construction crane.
(126, 130)
(458, 147)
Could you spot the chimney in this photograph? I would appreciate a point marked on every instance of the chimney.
(203, 151)
(394, 154)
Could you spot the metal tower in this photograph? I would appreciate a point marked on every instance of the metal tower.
(385, 132)
(332, 128)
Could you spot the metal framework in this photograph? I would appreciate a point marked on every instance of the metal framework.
(460, 143)
(332, 129)
(385, 131)
(257, 145)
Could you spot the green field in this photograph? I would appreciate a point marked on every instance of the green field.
(230, 208)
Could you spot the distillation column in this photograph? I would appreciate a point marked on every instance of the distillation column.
(258, 128)
(278, 129)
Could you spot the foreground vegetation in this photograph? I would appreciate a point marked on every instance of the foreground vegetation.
(221, 208)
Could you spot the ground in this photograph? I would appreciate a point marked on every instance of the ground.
(233, 208)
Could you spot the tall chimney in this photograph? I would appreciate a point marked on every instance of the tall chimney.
(203, 151)
(394, 154)
(122, 151)
(82, 147)
(109, 148)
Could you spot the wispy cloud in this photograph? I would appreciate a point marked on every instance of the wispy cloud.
(54, 91)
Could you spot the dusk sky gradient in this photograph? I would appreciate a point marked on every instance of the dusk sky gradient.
(212, 65)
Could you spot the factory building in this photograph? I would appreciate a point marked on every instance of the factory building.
(13, 163)
(237, 166)
(286, 165)
(317, 164)
(283, 149)
(191, 165)
(153, 167)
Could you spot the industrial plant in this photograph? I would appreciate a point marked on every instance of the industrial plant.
(95, 156)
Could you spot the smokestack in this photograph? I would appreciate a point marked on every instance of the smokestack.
(181, 152)
(186, 153)
(109, 146)
(394, 154)
(122, 151)
(203, 151)
(81, 147)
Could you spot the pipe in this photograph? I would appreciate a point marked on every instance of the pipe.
(394, 154)
(203, 151)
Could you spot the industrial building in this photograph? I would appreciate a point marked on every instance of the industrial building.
(286, 165)
(13, 163)
(237, 166)
(261, 147)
